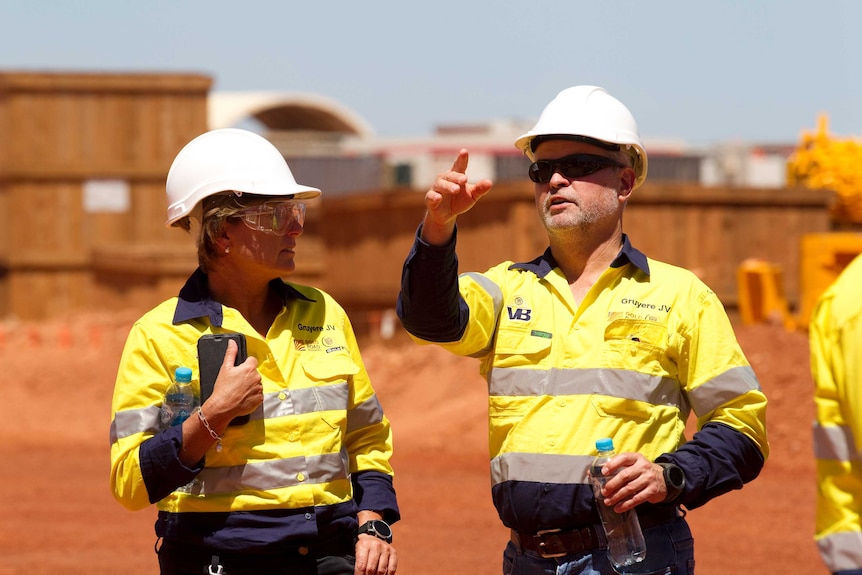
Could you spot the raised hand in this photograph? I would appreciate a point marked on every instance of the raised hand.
(450, 196)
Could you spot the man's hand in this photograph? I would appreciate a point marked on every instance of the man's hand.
(450, 196)
(638, 480)
(373, 556)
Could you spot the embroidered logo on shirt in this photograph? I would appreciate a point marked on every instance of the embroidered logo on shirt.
(519, 311)
(614, 315)
(519, 314)
(329, 343)
(642, 305)
(315, 328)
(306, 345)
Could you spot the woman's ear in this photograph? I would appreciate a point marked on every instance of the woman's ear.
(222, 240)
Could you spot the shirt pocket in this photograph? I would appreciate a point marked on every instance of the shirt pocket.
(330, 377)
(625, 410)
(525, 352)
(323, 368)
(517, 347)
(637, 345)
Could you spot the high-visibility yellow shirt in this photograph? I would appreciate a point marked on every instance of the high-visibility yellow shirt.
(319, 433)
(648, 344)
(836, 365)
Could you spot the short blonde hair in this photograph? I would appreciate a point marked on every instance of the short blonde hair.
(215, 211)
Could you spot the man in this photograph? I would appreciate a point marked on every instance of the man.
(836, 364)
(591, 339)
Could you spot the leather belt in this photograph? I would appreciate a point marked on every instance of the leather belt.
(556, 542)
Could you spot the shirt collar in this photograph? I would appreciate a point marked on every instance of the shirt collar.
(628, 254)
(195, 300)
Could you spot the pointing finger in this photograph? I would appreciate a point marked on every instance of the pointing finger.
(460, 164)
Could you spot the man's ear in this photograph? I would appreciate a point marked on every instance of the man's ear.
(627, 183)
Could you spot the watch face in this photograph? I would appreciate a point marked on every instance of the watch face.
(674, 477)
(382, 528)
(378, 528)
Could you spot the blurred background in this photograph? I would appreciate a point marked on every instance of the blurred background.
(750, 114)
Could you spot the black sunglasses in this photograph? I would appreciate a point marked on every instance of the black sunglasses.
(574, 166)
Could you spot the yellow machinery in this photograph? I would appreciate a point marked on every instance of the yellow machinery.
(825, 165)
(761, 294)
(822, 162)
(824, 256)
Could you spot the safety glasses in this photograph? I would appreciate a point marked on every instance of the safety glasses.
(572, 167)
(274, 217)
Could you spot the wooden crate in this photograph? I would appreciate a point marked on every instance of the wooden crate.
(83, 163)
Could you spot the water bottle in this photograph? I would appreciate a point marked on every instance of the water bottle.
(179, 400)
(626, 544)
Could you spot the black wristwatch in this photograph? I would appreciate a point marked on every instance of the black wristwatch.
(674, 480)
(378, 528)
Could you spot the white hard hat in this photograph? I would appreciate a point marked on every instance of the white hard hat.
(590, 114)
(228, 159)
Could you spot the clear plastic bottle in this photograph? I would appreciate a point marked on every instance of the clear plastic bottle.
(179, 400)
(626, 544)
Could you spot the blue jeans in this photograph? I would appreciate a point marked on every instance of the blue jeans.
(670, 551)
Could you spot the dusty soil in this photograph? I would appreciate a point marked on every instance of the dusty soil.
(58, 515)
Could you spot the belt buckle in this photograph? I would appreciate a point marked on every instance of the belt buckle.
(552, 546)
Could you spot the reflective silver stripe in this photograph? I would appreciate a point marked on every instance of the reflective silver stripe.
(366, 413)
(274, 474)
(304, 400)
(278, 404)
(657, 390)
(841, 551)
(726, 387)
(321, 398)
(540, 468)
(496, 294)
(333, 397)
(132, 421)
(275, 404)
(834, 442)
(490, 288)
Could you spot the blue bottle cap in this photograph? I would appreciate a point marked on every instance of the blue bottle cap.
(605, 444)
(183, 374)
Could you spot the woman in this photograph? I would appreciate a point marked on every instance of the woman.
(305, 486)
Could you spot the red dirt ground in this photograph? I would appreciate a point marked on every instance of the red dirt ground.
(58, 515)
